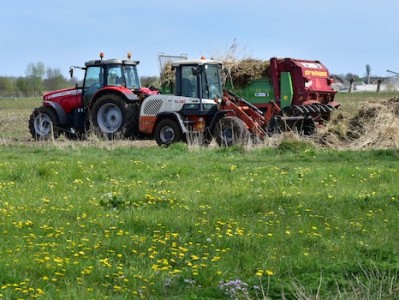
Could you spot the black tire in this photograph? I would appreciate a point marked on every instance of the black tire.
(112, 117)
(132, 121)
(43, 124)
(230, 131)
(167, 132)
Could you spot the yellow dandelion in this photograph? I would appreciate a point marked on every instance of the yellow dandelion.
(269, 272)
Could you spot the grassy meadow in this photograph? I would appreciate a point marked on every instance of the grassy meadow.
(109, 220)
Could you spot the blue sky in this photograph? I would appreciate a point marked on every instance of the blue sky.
(343, 35)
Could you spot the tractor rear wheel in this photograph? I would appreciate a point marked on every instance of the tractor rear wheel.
(43, 123)
(231, 131)
(112, 117)
(167, 132)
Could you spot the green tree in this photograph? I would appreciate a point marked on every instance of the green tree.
(34, 77)
(22, 85)
(54, 80)
(8, 85)
(350, 76)
(35, 70)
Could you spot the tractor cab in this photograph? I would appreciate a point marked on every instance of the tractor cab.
(118, 73)
(198, 78)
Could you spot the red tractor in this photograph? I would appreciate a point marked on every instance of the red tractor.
(106, 102)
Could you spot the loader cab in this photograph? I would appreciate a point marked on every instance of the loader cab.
(111, 72)
(198, 79)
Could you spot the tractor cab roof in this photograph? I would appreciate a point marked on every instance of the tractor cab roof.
(113, 61)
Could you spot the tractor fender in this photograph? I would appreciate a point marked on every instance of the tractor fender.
(216, 117)
(129, 97)
(62, 117)
(174, 116)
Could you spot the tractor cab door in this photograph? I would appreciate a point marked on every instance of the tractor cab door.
(199, 81)
(188, 84)
(94, 80)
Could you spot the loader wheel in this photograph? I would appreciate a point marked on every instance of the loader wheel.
(231, 131)
(167, 132)
(43, 124)
(112, 117)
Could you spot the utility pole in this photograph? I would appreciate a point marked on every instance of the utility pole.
(368, 72)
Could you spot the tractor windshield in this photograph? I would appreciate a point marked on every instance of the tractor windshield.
(212, 87)
(131, 77)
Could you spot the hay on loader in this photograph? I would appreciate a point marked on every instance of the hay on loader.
(375, 126)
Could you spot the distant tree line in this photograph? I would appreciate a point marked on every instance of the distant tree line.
(37, 79)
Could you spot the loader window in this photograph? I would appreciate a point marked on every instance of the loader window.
(189, 83)
(212, 87)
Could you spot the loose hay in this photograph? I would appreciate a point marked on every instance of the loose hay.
(167, 75)
(375, 126)
(243, 71)
(240, 72)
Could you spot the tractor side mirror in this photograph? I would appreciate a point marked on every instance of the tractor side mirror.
(71, 72)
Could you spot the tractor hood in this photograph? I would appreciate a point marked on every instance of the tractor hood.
(68, 99)
(62, 93)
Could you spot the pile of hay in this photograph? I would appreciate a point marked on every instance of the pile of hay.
(375, 126)
(243, 71)
(167, 75)
(240, 72)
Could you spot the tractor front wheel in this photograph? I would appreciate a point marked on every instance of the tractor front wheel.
(231, 131)
(111, 116)
(43, 124)
(167, 132)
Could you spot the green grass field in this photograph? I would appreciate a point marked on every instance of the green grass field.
(110, 220)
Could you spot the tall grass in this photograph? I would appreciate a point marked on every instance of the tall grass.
(121, 222)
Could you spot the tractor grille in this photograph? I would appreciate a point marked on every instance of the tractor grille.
(152, 107)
